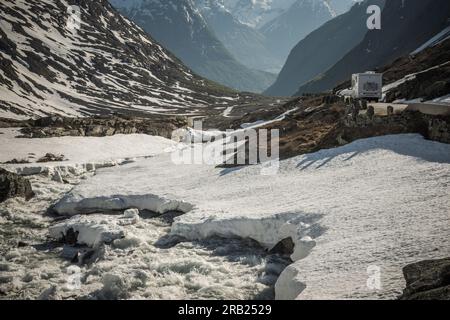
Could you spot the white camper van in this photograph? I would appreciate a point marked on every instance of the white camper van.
(367, 85)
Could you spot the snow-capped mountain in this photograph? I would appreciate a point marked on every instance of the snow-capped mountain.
(179, 26)
(56, 63)
(245, 43)
(301, 18)
(257, 13)
(260, 33)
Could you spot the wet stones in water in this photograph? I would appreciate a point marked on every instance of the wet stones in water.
(22, 244)
(169, 241)
(71, 237)
(77, 254)
(12, 185)
(71, 251)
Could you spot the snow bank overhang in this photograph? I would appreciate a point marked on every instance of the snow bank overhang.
(73, 204)
(90, 231)
(268, 231)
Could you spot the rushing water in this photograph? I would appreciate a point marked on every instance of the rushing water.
(146, 264)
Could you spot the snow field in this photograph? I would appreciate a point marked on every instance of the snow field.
(380, 201)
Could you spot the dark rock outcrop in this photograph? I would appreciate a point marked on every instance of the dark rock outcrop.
(427, 280)
(13, 185)
(323, 122)
(439, 129)
(17, 161)
(50, 157)
(101, 126)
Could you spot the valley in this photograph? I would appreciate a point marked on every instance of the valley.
(135, 138)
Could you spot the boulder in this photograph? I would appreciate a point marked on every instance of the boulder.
(427, 280)
(12, 185)
(50, 157)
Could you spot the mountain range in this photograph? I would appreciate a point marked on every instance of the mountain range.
(242, 44)
(303, 17)
(179, 27)
(101, 65)
(283, 23)
(109, 64)
(256, 13)
(247, 44)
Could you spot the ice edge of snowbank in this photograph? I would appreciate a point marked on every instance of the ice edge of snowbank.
(268, 231)
(71, 205)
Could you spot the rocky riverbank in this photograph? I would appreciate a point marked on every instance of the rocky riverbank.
(12, 185)
(97, 126)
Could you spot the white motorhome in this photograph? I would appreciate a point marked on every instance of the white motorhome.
(368, 85)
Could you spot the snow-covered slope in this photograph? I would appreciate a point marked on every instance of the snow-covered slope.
(108, 64)
(375, 204)
(79, 150)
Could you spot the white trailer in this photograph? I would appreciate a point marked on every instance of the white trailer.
(368, 85)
